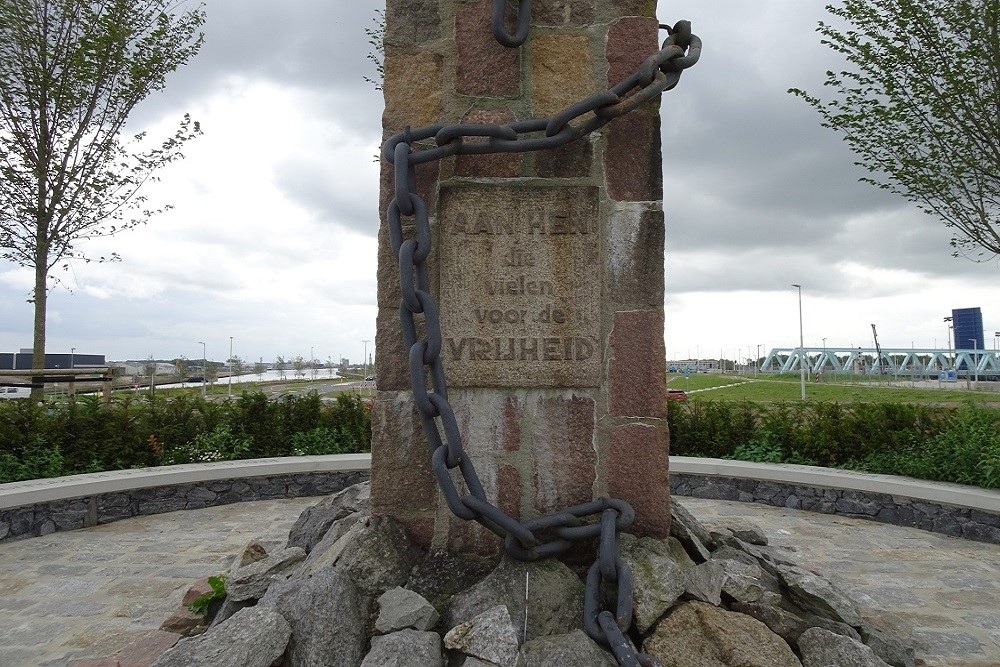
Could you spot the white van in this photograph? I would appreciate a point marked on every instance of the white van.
(9, 393)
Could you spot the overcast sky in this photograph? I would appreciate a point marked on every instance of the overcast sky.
(272, 235)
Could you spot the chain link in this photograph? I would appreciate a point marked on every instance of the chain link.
(609, 578)
(523, 23)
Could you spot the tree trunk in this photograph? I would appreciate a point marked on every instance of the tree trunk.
(40, 302)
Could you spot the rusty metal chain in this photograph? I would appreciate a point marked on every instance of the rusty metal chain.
(497, 24)
(608, 592)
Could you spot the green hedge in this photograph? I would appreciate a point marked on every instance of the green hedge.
(959, 445)
(138, 431)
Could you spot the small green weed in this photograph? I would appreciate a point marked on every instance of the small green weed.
(201, 603)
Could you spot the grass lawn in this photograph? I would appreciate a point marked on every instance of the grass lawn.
(784, 388)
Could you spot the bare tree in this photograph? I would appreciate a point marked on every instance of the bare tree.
(71, 72)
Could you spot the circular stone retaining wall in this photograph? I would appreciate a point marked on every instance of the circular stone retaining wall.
(967, 522)
(40, 507)
(47, 517)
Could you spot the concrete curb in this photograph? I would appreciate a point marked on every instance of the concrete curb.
(34, 491)
(847, 480)
(39, 507)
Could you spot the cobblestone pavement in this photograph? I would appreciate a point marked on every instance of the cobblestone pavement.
(88, 593)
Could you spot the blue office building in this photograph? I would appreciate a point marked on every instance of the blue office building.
(968, 323)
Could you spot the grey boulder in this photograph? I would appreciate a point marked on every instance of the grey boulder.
(253, 637)
(405, 648)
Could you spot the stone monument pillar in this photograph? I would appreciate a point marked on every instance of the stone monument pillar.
(547, 268)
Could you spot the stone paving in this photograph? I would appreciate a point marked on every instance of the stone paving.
(88, 593)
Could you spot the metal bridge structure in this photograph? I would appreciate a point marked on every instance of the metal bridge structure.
(913, 362)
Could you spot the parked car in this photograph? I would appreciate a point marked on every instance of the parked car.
(10, 393)
(676, 395)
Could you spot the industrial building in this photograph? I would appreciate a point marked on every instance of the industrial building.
(12, 361)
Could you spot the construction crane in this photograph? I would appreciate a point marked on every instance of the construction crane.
(883, 367)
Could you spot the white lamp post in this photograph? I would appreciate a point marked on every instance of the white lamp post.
(229, 391)
(364, 362)
(802, 346)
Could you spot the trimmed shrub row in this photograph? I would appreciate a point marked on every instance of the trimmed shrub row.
(960, 445)
(139, 431)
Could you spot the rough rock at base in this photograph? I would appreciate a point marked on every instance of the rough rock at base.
(819, 596)
(821, 648)
(251, 582)
(327, 614)
(690, 532)
(742, 529)
(490, 636)
(405, 648)
(555, 597)
(400, 609)
(574, 648)
(254, 637)
(315, 521)
(696, 634)
(659, 573)
(705, 581)
(375, 552)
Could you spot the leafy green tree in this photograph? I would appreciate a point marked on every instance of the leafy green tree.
(149, 370)
(211, 371)
(920, 107)
(279, 365)
(181, 367)
(258, 368)
(299, 364)
(71, 72)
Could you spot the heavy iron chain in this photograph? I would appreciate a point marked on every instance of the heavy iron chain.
(523, 23)
(609, 578)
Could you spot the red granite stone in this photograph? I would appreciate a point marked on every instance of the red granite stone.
(509, 483)
(636, 7)
(498, 165)
(563, 453)
(427, 175)
(484, 68)
(392, 363)
(412, 22)
(638, 365)
(570, 160)
(637, 470)
(512, 412)
(630, 41)
(403, 485)
(470, 537)
(632, 159)
(146, 649)
(184, 622)
(562, 12)
(195, 591)
(635, 273)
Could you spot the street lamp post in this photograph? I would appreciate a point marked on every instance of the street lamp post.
(802, 346)
(947, 321)
(204, 367)
(364, 362)
(72, 355)
(229, 391)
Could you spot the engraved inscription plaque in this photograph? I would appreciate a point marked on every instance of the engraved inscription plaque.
(520, 286)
